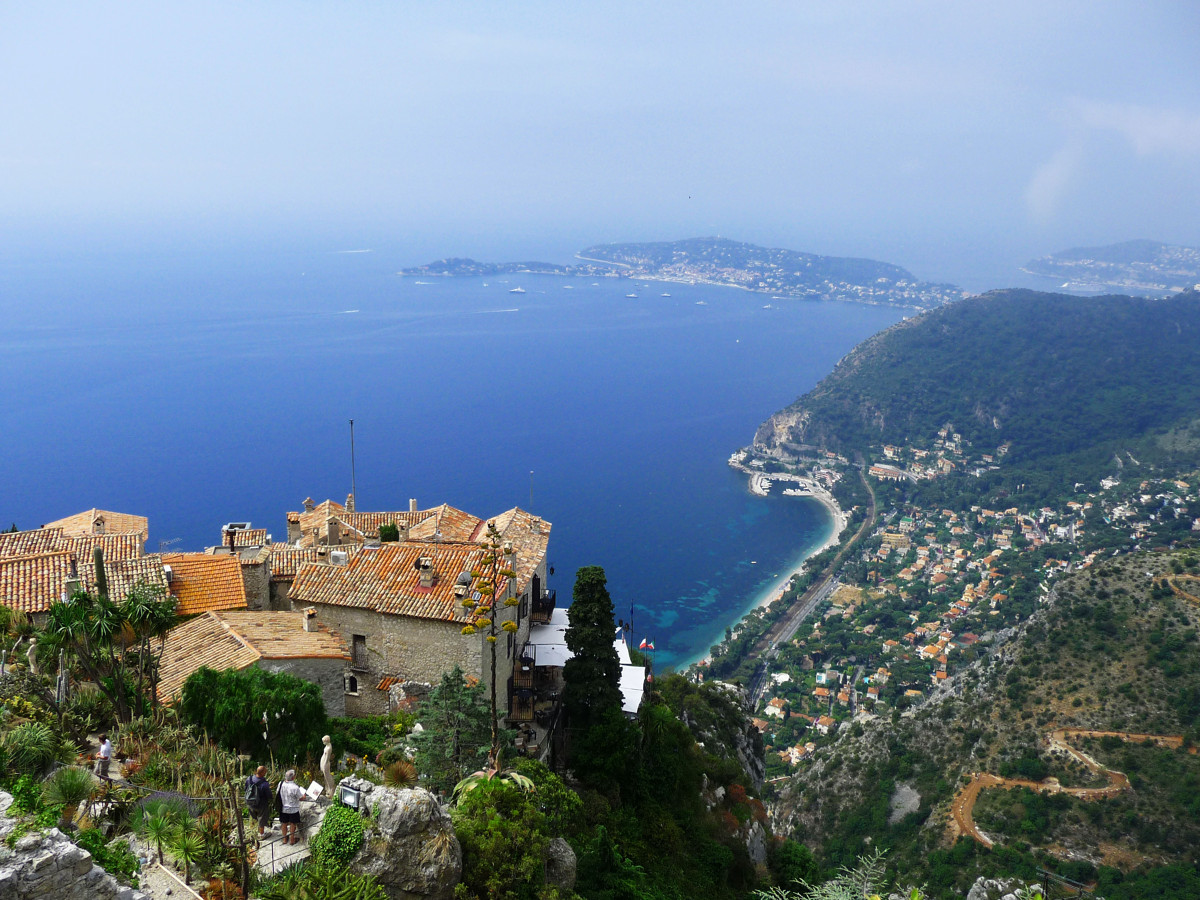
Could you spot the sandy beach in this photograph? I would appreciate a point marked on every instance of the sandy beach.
(776, 589)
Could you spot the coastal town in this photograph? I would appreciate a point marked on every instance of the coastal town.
(928, 589)
(369, 606)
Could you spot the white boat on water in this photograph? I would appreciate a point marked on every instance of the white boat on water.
(702, 303)
(664, 295)
(517, 290)
(631, 296)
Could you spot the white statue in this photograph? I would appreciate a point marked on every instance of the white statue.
(31, 656)
(327, 765)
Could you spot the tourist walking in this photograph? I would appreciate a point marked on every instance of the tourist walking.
(290, 795)
(104, 757)
(260, 800)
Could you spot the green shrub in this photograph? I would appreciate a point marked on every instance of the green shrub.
(32, 747)
(340, 837)
(311, 880)
(115, 858)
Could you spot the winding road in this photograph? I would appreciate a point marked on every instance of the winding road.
(962, 808)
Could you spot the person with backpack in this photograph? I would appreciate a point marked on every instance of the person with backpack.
(260, 800)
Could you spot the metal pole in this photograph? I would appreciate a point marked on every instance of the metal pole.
(353, 489)
(531, 490)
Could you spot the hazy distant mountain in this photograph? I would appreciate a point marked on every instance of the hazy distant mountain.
(786, 273)
(1143, 266)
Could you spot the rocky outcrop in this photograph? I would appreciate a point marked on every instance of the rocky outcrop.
(560, 865)
(410, 846)
(48, 864)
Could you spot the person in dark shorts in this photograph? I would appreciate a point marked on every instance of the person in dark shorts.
(260, 800)
(290, 795)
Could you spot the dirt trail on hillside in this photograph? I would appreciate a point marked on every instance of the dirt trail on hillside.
(962, 820)
(1173, 580)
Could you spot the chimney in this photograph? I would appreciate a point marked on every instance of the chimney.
(310, 619)
(308, 504)
(412, 504)
(350, 502)
(229, 538)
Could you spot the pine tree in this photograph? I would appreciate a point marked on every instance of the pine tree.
(593, 674)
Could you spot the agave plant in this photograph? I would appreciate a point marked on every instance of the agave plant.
(494, 773)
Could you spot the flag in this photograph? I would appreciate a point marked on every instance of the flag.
(642, 645)
(650, 645)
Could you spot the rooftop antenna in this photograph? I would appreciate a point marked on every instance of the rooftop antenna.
(531, 490)
(353, 490)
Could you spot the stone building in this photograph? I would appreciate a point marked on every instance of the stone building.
(275, 641)
(398, 606)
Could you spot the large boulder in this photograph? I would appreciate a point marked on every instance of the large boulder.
(560, 865)
(410, 846)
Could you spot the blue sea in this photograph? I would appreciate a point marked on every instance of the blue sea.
(203, 387)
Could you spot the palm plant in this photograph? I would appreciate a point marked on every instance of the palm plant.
(158, 829)
(71, 786)
(188, 845)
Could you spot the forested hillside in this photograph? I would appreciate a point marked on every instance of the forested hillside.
(1065, 383)
(1115, 650)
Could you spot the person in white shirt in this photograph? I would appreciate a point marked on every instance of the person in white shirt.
(290, 795)
(104, 757)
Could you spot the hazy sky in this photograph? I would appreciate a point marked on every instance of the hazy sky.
(939, 135)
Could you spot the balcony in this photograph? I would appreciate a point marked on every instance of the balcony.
(543, 608)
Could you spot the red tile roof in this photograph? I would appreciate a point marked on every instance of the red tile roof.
(31, 583)
(201, 582)
(388, 580)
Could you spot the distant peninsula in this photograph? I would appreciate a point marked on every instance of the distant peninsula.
(1133, 266)
(717, 261)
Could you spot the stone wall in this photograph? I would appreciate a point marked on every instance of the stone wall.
(417, 650)
(47, 864)
(328, 674)
(257, 579)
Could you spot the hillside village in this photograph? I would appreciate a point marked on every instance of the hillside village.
(370, 606)
(929, 588)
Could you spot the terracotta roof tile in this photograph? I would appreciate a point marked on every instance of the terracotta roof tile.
(245, 537)
(286, 559)
(28, 543)
(123, 574)
(447, 522)
(204, 641)
(125, 545)
(32, 583)
(530, 536)
(238, 638)
(201, 582)
(388, 580)
(101, 521)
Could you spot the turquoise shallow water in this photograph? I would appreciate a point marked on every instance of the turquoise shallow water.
(200, 390)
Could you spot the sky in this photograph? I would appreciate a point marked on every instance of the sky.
(958, 139)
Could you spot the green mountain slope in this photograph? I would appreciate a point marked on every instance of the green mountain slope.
(1067, 382)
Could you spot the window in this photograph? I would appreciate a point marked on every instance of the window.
(510, 645)
(523, 609)
(358, 653)
(351, 684)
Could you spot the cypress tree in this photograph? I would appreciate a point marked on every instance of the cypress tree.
(593, 674)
